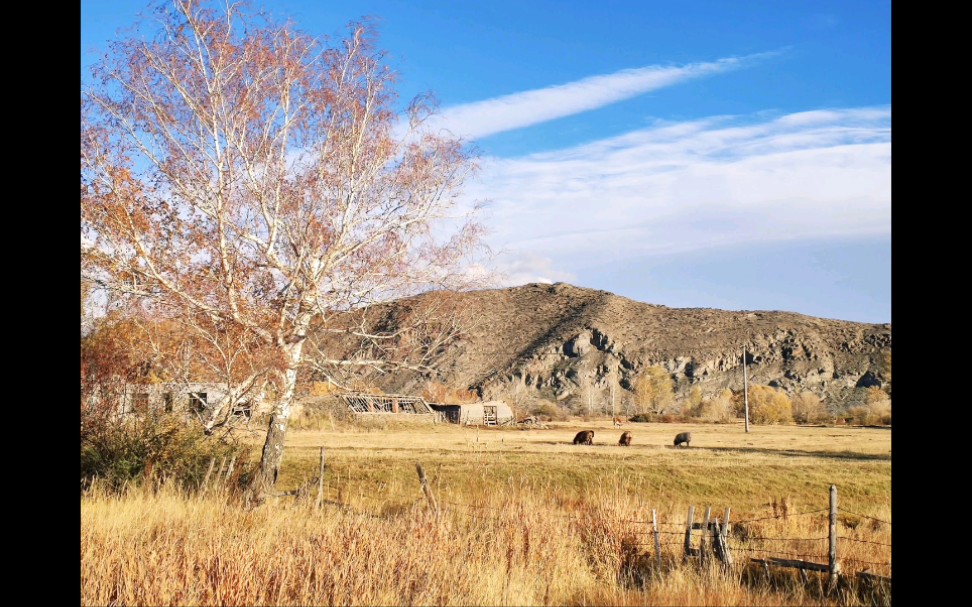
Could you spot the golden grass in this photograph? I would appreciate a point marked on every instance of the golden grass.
(527, 519)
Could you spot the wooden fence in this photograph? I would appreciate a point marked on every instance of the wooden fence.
(709, 542)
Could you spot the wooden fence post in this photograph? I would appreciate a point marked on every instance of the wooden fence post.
(720, 544)
(688, 532)
(320, 482)
(229, 470)
(205, 483)
(703, 556)
(222, 465)
(654, 528)
(834, 566)
(724, 540)
(427, 490)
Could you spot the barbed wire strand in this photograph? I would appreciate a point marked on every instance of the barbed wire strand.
(766, 518)
(887, 564)
(803, 556)
(491, 508)
(866, 516)
(752, 538)
(852, 539)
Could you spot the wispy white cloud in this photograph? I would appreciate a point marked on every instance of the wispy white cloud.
(491, 116)
(691, 186)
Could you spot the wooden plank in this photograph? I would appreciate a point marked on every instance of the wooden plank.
(795, 563)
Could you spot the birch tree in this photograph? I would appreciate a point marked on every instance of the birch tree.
(255, 182)
(654, 390)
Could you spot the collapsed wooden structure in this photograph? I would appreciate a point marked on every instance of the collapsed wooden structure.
(490, 413)
(360, 402)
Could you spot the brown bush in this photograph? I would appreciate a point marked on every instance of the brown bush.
(547, 411)
(807, 408)
(719, 408)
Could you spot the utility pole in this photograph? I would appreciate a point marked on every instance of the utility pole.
(745, 389)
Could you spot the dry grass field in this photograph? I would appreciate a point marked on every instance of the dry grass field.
(527, 519)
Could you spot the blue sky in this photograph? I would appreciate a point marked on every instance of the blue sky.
(732, 155)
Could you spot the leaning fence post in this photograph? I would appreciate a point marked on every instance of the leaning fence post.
(705, 529)
(834, 566)
(427, 490)
(720, 544)
(654, 528)
(320, 482)
(205, 483)
(229, 470)
(724, 536)
(688, 532)
(222, 465)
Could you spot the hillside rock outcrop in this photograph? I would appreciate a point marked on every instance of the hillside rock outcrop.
(558, 341)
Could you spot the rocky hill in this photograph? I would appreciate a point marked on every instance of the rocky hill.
(556, 341)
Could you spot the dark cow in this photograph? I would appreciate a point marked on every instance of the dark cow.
(683, 437)
(625, 439)
(584, 437)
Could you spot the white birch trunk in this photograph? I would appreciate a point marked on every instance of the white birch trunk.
(273, 447)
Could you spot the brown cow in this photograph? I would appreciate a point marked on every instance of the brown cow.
(584, 437)
(625, 439)
(617, 422)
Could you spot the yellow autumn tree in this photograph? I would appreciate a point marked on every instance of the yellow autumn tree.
(768, 405)
(654, 390)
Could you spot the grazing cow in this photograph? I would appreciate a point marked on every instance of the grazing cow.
(625, 439)
(617, 422)
(683, 437)
(584, 437)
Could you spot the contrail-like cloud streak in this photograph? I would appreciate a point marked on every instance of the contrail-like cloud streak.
(488, 117)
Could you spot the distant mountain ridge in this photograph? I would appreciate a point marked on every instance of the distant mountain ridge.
(558, 340)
